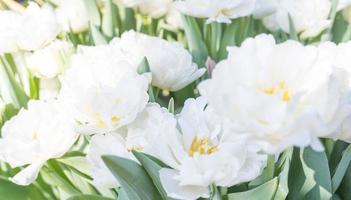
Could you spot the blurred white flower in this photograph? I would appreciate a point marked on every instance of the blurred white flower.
(72, 15)
(170, 63)
(9, 29)
(283, 94)
(221, 11)
(103, 89)
(49, 88)
(152, 8)
(128, 3)
(38, 27)
(342, 4)
(174, 18)
(141, 135)
(264, 8)
(346, 13)
(206, 153)
(310, 18)
(50, 61)
(35, 135)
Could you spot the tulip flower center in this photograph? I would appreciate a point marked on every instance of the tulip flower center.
(280, 89)
(201, 146)
(101, 123)
(34, 136)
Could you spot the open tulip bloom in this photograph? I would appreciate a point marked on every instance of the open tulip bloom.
(175, 99)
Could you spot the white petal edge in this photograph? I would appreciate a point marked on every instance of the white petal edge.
(28, 174)
(174, 190)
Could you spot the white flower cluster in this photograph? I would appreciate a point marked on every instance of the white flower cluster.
(264, 98)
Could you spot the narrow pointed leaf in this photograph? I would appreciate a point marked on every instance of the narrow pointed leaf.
(88, 197)
(132, 177)
(196, 44)
(262, 192)
(109, 20)
(97, 36)
(341, 168)
(93, 10)
(152, 168)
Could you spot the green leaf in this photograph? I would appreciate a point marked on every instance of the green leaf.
(227, 40)
(122, 195)
(132, 177)
(292, 30)
(55, 177)
(341, 168)
(171, 105)
(195, 41)
(144, 66)
(267, 173)
(79, 180)
(94, 14)
(128, 21)
(109, 20)
(152, 168)
(77, 162)
(97, 36)
(216, 35)
(309, 176)
(284, 167)
(11, 90)
(11, 191)
(344, 189)
(262, 192)
(88, 197)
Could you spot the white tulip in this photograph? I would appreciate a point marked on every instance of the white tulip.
(104, 90)
(174, 19)
(206, 153)
(310, 18)
(50, 61)
(171, 65)
(38, 27)
(221, 11)
(35, 135)
(283, 94)
(72, 15)
(152, 8)
(9, 29)
(264, 8)
(32, 30)
(155, 8)
(342, 63)
(141, 135)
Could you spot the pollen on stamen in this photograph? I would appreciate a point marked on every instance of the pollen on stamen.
(201, 146)
(34, 136)
(115, 118)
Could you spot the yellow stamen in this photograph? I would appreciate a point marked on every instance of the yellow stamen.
(280, 89)
(115, 118)
(34, 136)
(201, 146)
(166, 93)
